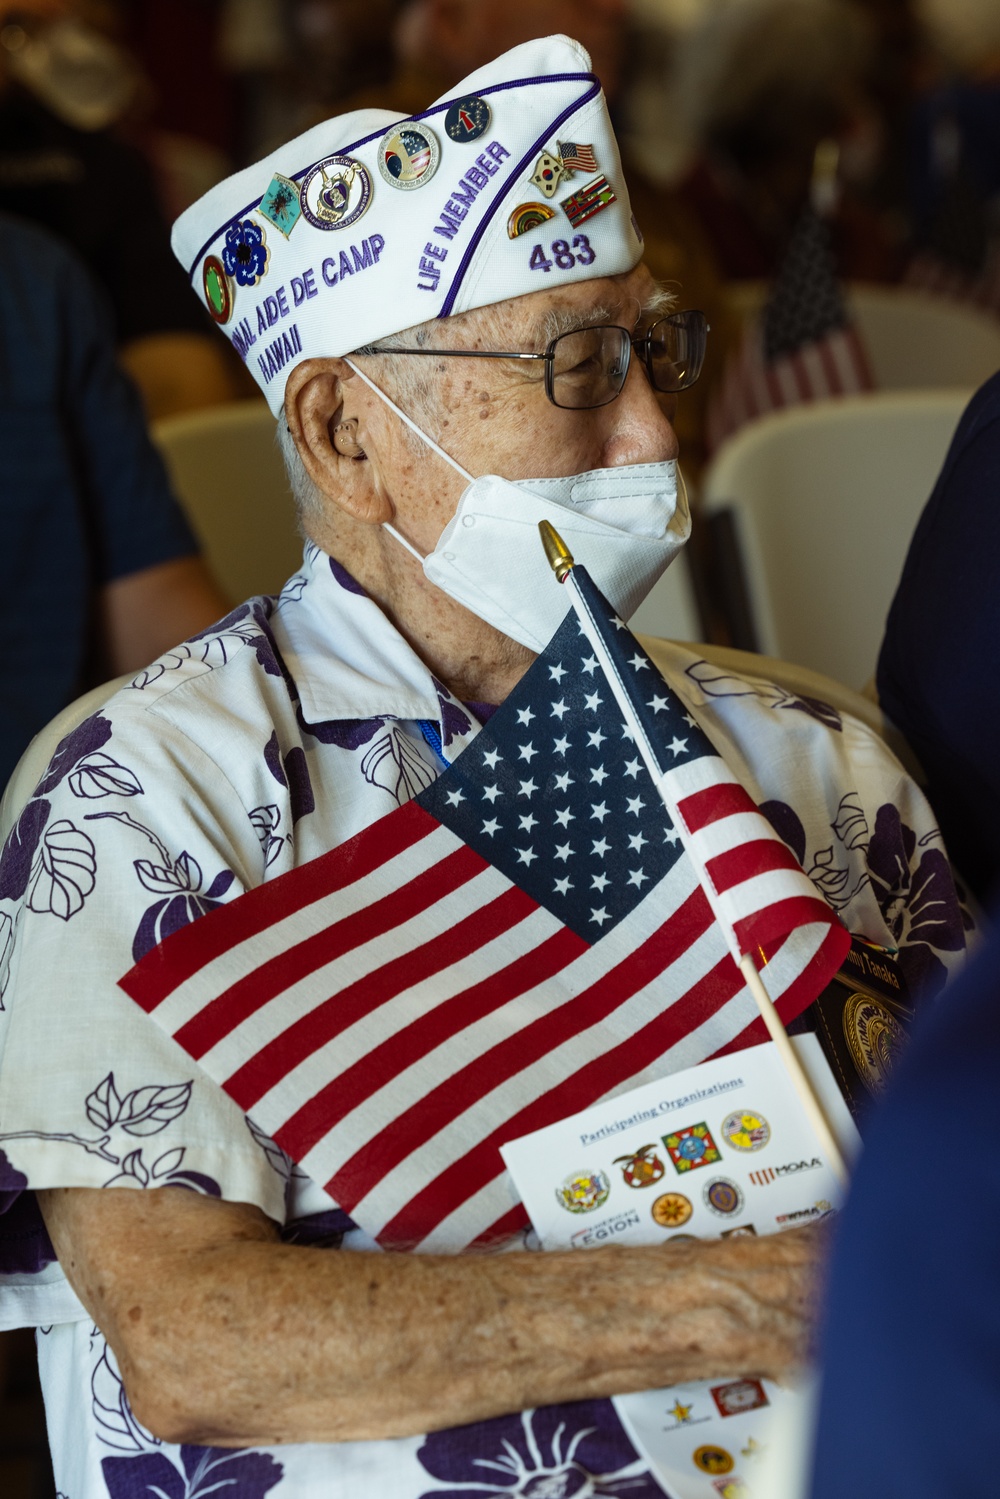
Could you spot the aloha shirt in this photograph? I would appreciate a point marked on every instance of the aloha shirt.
(278, 734)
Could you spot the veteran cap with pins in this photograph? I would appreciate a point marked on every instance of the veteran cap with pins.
(370, 223)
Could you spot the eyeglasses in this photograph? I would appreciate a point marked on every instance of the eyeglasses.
(587, 367)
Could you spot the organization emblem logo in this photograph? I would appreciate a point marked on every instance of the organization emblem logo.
(712, 1459)
(642, 1169)
(746, 1130)
(336, 193)
(742, 1231)
(691, 1147)
(739, 1395)
(731, 1487)
(583, 1191)
(763, 1177)
(671, 1210)
(280, 204)
(874, 1036)
(245, 254)
(819, 1209)
(528, 216)
(588, 201)
(218, 289)
(408, 156)
(467, 119)
(723, 1197)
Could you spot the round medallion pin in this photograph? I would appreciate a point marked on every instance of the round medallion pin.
(336, 193)
(218, 289)
(468, 119)
(408, 155)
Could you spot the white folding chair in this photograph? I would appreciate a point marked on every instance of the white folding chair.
(230, 478)
(823, 500)
(669, 611)
(916, 341)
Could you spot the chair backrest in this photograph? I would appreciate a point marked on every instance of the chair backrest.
(670, 610)
(914, 340)
(824, 500)
(28, 770)
(230, 478)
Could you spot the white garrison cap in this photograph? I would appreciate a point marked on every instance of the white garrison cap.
(368, 223)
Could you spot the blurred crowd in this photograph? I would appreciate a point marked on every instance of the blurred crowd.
(882, 116)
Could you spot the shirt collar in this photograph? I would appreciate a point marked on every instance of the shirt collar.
(346, 658)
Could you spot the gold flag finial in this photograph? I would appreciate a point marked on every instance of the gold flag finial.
(559, 555)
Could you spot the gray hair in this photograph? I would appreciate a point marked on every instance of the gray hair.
(413, 383)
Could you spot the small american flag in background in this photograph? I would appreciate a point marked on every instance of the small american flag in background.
(802, 348)
(525, 937)
(577, 158)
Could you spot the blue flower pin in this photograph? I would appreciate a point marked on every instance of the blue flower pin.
(245, 253)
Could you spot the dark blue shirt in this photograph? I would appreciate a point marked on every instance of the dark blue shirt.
(911, 1351)
(84, 497)
(939, 668)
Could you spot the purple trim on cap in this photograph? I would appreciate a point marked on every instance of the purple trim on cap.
(494, 88)
(483, 224)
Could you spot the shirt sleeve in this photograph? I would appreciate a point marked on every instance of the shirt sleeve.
(132, 832)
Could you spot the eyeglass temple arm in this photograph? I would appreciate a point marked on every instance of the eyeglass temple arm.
(459, 353)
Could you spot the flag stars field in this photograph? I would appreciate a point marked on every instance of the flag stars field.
(585, 777)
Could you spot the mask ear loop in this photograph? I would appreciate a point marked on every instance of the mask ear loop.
(423, 438)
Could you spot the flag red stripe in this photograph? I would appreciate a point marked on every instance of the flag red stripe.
(274, 975)
(373, 1071)
(776, 921)
(183, 953)
(483, 1163)
(759, 856)
(351, 1004)
(814, 978)
(514, 1054)
(704, 807)
(512, 1222)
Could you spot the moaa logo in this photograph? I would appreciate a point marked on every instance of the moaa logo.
(768, 1174)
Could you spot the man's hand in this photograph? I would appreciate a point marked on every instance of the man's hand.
(225, 1336)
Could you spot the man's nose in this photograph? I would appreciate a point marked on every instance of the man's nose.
(640, 430)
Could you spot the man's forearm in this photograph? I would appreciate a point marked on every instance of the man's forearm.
(248, 1341)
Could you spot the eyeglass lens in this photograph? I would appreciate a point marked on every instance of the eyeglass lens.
(588, 366)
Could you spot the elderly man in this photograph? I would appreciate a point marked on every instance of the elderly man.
(181, 1323)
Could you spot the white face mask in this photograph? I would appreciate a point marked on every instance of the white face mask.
(624, 524)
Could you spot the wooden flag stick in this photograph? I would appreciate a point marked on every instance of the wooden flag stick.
(794, 1068)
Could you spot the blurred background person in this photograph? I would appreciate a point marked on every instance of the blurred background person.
(65, 86)
(911, 1348)
(99, 570)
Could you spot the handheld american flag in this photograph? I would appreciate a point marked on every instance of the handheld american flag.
(525, 937)
(760, 897)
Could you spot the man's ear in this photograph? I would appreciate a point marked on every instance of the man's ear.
(329, 433)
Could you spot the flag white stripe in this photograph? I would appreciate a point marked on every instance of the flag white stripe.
(593, 965)
(376, 1029)
(315, 989)
(189, 998)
